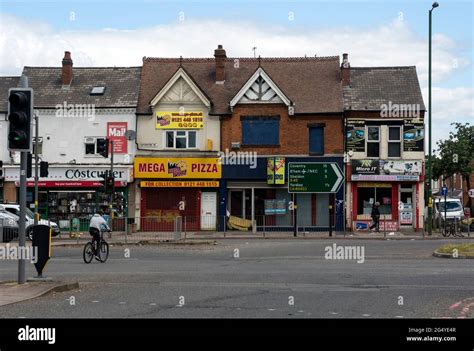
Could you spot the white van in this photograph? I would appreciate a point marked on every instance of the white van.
(454, 209)
(30, 220)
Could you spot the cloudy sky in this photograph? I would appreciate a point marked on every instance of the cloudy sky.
(374, 33)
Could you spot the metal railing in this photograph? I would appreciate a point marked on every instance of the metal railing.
(8, 230)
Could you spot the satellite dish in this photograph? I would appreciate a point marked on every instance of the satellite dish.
(130, 134)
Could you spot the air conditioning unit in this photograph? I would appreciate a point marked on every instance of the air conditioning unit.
(235, 145)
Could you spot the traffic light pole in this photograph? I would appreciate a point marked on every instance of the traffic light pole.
(36, 168)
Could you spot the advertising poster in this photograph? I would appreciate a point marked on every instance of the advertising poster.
(116, 133)
(179, 120)
(413, 136)
(276, 170)
(355, 136)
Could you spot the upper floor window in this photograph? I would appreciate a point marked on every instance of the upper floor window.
(260, 131)
(373, 141)
(181, 139)
(394, 141)
(316, 139)
(90, 146)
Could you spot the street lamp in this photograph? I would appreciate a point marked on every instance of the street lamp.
(430, 200)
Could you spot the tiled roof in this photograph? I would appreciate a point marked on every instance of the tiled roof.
(121, 86)
(370, 87)
(5, 84)
(312, 84)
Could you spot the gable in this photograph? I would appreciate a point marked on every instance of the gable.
(260, 89)
(180, 89)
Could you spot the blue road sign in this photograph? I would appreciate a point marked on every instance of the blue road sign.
(444, 190)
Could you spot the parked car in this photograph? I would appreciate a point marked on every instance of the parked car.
(30, 219)
(454, 209)
(8, 226)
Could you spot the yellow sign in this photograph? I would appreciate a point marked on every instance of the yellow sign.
(178, 168)
(179, 120)
(276, 170)
(180, 184)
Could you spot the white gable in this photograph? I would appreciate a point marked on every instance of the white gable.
(180, 89)
(259, 89)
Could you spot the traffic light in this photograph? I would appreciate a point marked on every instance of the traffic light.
(103, 147)
(1, 169)
(103, 182)
(20, 112)
(44, 169)
(29, 165)
(109, 187)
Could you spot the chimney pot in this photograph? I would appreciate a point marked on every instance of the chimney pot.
(66, 74)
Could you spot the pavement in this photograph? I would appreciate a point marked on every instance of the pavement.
(12, 292)
(273, 278)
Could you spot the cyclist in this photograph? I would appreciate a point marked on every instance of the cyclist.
(97, 223)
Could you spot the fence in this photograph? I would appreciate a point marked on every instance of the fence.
(8, 229)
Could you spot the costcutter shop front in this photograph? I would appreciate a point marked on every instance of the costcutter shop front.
(171, 187)
(72, 192)
(396, 184)
(258, 193)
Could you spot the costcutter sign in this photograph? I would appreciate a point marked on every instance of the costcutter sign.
(75, 174)
(116, 133)
(177, 168)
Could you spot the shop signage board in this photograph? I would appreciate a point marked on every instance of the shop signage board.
(116, 133)
(276, 170)
(178, 168)
(76, 174)
(180, 184)
(386, 170)
(313, 177)
(70, 184)
(179, 120)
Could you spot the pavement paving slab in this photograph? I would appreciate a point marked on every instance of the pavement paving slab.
(12, 292)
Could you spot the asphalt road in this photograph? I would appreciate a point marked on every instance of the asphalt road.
(268, 279)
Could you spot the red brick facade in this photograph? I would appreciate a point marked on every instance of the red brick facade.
(294, 133)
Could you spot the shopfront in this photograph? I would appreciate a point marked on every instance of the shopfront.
(72, 192)
(260, 195)
(178, 186)
(395, 184)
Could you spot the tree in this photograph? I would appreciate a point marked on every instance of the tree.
(456, 155)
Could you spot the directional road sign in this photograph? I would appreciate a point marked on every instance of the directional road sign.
(312, 177)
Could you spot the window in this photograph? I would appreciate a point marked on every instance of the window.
(366, 196)
(180, 139)
(316, 140)
(262, 131)
(91, 145)
(99, 90)
(394, 142)
(373, 141)
(40, 145)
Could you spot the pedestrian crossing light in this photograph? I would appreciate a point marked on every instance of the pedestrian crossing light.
(109, 183)
(44, 169)
(20, 111)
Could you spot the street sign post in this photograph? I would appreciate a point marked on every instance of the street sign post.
(444, 190)
(471, 192)
(312, 177)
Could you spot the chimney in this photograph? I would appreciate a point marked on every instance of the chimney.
(66, 75)
(220, 56)
(345, 70)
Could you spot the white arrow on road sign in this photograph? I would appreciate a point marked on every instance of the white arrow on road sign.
(340, 177)
(471, 192)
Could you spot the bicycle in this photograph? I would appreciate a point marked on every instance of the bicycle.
(91, 250)
(452, 227)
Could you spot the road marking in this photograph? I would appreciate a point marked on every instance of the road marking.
(95, 301)
(366, 315)
(399, 317)
(271, 309)
(122, 303)
(333, 313)
(153, 304)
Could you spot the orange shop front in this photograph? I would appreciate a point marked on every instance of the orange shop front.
(184, 187)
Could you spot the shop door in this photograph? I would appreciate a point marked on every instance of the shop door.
(208, 211)
(406, 207)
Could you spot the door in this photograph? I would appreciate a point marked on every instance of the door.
(406, 207)
(208, 211)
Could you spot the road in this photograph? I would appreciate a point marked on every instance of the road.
(261, 279)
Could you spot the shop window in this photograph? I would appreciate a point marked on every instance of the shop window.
(180, 139)
(373, 141)
(366, 196)
(260, 130)
(394, 142)
(316, 141)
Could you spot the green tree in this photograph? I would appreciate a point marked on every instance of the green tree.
(456, 155)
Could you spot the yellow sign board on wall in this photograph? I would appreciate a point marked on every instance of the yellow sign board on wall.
(178, 168)
(179, 120)
(179, 184)
(276, 170)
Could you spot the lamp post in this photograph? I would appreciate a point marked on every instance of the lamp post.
(430, 200)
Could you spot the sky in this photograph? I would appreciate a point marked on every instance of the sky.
(373, 33)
